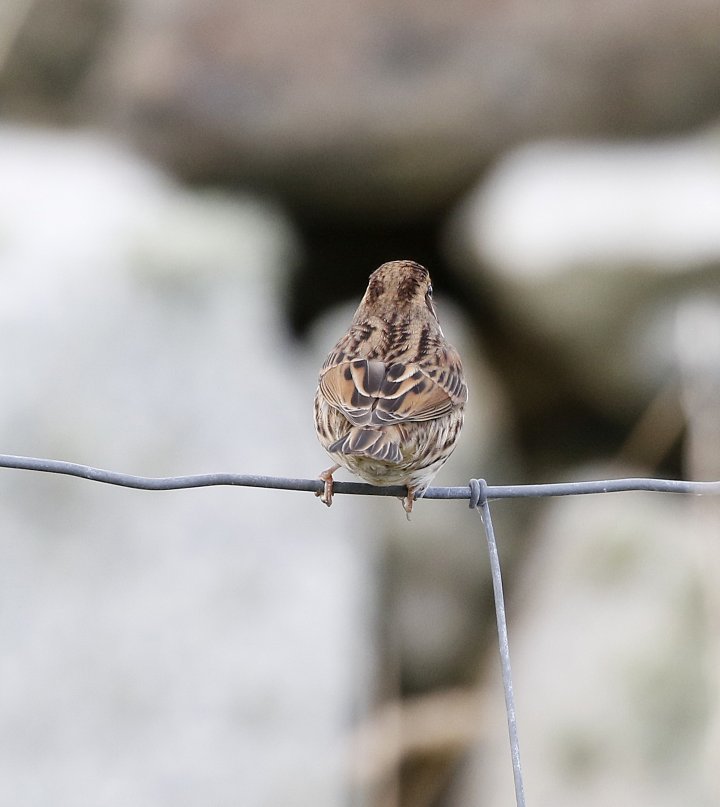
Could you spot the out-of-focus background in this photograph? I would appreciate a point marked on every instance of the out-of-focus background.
(192, 195)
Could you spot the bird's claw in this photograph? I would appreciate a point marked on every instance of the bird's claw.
(326, 494)
(408, 502)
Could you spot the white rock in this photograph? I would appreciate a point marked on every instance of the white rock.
(554, 207)
(590, 247)
(187, 648)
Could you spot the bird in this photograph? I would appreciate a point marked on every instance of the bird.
(391, 394)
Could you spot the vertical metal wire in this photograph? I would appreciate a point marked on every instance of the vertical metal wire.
(479, 501)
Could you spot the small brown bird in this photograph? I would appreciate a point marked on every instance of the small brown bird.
(390, 399)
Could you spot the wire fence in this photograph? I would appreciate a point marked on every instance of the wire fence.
(477, 492)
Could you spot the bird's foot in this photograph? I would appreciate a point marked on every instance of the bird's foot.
(408, 502)
(326, 494)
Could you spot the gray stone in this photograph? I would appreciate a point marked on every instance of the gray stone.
(613, 648)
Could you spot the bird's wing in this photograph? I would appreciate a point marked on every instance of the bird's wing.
(373, 393)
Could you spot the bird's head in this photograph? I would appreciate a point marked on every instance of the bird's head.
(399, 288)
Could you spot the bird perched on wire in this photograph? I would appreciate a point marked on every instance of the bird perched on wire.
(390, 398)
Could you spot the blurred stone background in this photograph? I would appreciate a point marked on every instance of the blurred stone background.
(191, 198)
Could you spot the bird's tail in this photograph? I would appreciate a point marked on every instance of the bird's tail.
(368, 442)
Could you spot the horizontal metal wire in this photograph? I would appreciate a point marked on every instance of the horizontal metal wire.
(477, 491)
(353, 488)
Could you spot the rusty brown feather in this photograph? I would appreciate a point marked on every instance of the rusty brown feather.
(390, 398)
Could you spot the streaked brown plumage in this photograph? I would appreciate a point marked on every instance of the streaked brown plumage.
(390, 399)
